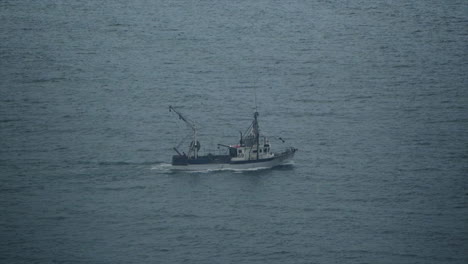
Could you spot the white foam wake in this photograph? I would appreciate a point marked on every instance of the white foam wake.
(162, 167)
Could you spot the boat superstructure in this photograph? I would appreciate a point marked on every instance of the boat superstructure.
(252, 151)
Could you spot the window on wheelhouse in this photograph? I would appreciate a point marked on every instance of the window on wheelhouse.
(232, 152)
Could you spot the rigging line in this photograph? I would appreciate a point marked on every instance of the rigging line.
(183, 140)
(248, 129)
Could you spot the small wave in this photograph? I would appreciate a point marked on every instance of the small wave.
(401, 66)
(185, 215)
(145, 150)
(44, 80)
(137, 187)
(118, 25)
(9, 120)
(286, 166)
(281, 252)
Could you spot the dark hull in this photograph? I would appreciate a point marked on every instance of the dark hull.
(208, 159)
(225, 162)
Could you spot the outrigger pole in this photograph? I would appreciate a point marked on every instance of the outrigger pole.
(194, 146)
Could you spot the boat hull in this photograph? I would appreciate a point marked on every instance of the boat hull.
(278, 159)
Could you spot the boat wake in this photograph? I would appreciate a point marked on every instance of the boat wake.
(169, 168)
(163, 167)
(239, 170)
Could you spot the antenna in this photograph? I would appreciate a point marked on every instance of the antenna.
(255, 91)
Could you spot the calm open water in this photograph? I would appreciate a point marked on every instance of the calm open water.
(373, 93)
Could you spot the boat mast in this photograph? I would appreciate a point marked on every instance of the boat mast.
(194, 146)
(256, 131)
(255, 123)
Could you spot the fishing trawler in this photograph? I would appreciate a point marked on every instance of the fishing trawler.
(252, 152)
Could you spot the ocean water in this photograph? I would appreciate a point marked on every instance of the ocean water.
(374, 94)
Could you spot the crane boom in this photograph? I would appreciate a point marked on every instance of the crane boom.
(181, 117)
(195, 145)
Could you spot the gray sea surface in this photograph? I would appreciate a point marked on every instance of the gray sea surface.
(374, 94)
